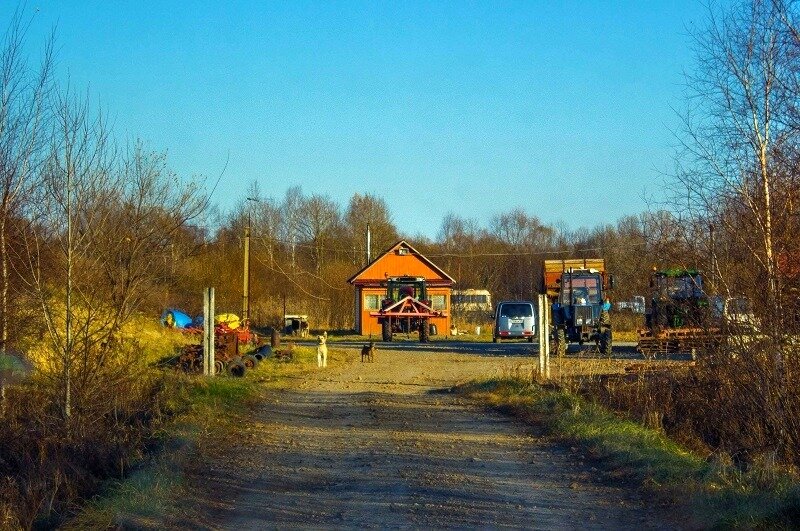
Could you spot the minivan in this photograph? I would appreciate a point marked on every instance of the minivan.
(514, 319)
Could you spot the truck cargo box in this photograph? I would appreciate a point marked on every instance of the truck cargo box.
(552, 269)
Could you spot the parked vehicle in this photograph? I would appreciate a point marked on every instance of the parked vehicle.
(471, 300)
(635, 305)
(514, 320)
(577, 289)
(295, 325)
(733, 315)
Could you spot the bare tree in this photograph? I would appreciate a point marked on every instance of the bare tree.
(139, 227)
(369, 210)
(76, 178)
(735, 198)
(317, 224)
(730, 169)
(291, 211)
(266, 220)
(24, 93)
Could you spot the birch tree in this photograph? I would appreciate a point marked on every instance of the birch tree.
(730, 171)
(24, 92)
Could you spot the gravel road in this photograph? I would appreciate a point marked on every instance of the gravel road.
(385, 444)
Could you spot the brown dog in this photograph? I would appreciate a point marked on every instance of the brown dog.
(368, 352)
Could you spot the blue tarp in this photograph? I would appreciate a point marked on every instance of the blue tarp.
(175, 319)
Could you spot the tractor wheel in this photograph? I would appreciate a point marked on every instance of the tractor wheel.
(494, 339)
(386, 329)
(250, 361)
(530, 339)
(219, 367)
(561, 342)
(606, 342)
(236, 368)
(424, 331)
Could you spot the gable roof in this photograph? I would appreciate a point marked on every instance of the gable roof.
(371, 272)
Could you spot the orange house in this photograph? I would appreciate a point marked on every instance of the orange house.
(400, 260)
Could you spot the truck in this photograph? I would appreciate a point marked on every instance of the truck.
(576, 289)
(406, 308)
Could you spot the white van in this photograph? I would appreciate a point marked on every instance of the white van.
(514, 319)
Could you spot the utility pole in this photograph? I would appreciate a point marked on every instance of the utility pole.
(246, 266)
(369, 244)
(246, 275)
(712, 259)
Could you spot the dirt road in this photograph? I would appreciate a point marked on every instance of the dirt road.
(383, 445)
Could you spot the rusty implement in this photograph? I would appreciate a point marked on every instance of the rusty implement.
(227, 357)
(406, 315)
(676, 341)
(408, 307)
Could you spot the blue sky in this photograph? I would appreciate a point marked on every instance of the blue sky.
(562, 108)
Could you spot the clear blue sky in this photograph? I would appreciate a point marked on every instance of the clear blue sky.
(562, 108)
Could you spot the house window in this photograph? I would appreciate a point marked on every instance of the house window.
(439, 302)
(371, 302)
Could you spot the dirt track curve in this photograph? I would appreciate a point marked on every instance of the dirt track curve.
(386, 445)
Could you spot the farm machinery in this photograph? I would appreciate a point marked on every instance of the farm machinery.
(682, 318)
(576, 289)
(677, 318)
(406, 308)
(227, 356)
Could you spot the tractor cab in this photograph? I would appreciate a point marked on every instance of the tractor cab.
(398, 288)
(677, 299)
(677, 284)
(578, 310)
(580, 289)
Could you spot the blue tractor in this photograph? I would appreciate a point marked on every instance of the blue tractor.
(580, 306)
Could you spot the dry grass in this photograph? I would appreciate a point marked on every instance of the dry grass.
(720, 494)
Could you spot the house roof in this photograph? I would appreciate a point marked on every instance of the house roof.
(375, 273)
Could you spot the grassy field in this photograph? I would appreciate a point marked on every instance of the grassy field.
(719, 494)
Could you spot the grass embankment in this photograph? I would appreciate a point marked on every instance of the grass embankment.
(719, 494)
(207, 409)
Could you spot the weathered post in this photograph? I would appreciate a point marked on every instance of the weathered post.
(546, 333)
(543, 329)
(540, 334)
(208, 332)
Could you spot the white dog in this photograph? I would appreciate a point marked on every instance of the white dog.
(322, 351)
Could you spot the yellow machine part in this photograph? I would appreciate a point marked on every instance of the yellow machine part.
(231, 320)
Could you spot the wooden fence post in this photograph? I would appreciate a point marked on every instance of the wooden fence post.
(208, 331)
(543, 333)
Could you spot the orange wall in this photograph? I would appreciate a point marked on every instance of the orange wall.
(369, 325)
(393, 264)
